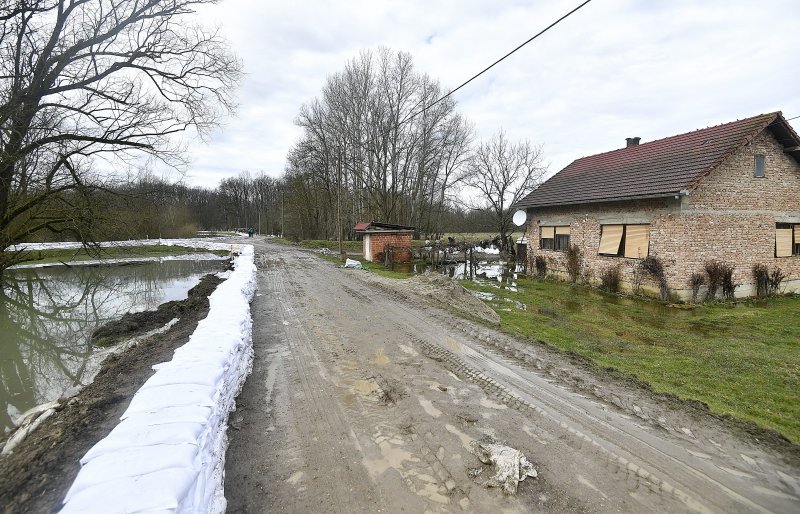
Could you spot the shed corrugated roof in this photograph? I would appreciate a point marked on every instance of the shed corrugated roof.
(657, 168)
(362, 226)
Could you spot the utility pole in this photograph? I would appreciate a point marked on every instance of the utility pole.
(282, 218)
(342, 255)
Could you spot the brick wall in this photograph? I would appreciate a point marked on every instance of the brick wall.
(730, 217)
(378, 241)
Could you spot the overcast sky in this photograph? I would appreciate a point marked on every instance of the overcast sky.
(614, 69)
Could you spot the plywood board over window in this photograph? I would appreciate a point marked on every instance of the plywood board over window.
(610, 239)
(548, 232)
(637, 241)
(783, 242)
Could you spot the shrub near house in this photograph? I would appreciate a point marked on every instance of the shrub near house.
(728, 193)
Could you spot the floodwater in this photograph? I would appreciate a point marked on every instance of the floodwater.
(497, 273)
(48, 314)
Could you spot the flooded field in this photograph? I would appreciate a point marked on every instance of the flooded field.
(47, 316)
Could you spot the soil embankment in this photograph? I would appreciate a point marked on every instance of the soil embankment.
(38, 473)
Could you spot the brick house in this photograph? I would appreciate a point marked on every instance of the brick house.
(729, 193)
(379, 236)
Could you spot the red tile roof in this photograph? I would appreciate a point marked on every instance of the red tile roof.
(657, 168)
(361, 225)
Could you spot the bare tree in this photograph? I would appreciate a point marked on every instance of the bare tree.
(502, 173)
(377, 144)
(89, 88)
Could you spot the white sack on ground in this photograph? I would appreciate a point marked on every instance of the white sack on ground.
(168, 451)
(351, 263)
(512, 466)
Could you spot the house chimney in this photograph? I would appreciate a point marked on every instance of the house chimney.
(632, 141)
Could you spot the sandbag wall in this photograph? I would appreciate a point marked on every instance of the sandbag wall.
(168, 451)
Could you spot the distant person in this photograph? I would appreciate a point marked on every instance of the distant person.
(250, 232)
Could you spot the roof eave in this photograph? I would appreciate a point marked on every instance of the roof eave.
(682, 192)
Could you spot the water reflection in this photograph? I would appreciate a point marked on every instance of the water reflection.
(498, 273)
(47, 316)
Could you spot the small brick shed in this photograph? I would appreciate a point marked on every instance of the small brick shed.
(377, 236)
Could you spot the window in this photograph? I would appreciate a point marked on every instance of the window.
(758, 167)
(554, 238)
(547, 238)
(787, 239)
(562, 239)
(630, 241)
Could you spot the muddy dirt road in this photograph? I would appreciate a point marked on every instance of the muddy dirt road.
(365, 398)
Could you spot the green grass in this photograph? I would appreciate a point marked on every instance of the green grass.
(113, 252)
(741, 359)
(376, 268)
(316, 244)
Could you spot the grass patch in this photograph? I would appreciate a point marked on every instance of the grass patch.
(111, 252)
(316, 244)
(374, 267)
(741, 359)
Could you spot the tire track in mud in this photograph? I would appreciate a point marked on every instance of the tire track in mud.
(423, 471)
(665, 461)
(514, 401)
(318, 413)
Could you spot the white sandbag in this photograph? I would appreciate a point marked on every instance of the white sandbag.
(133, 462)
(173, 414)
(200, 374)
(173, 395)
(130, 433)
(152, 492)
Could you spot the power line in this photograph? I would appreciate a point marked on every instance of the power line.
(495, 63)
(498, 61)
(790, 119)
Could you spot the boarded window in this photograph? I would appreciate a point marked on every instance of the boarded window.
(631, 241)
(546, 238)
(610, 239)
(637, 241)
(783, 242)
(796, 240)
(758, 168)
(562, 239)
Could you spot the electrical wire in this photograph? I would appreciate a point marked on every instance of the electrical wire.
(498, 61)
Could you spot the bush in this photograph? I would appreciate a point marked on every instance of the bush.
(761, 279)
(574, 260)
(775, 278)
(696, 280)
(728, 285)
(611, 278)
(655, 268)
(540, 263)
(767, 282)
(713, 271)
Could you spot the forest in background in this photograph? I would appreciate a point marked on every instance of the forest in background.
(381, 142)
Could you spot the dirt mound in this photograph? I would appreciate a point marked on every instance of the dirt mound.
(134, 323)
(447, 293)
(37, 474)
